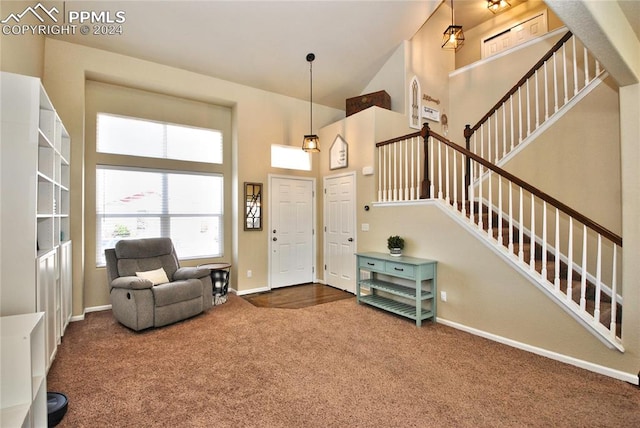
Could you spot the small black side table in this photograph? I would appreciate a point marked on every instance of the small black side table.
(220, 278)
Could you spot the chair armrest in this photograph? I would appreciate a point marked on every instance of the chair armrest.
(190, 273)
(131, 282)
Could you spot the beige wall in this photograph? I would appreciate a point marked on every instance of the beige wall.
(483, 291)
(259, 119)
(630, 154)
(21, 54)
(577, 160)
(389, 78)
(432, 64)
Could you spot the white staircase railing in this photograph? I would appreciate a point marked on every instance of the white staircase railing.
(572, 258)
(561, 75)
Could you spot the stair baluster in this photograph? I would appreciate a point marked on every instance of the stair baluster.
(597, 305)
(561, 64)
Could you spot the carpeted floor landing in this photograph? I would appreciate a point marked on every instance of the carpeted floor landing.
(331, 365)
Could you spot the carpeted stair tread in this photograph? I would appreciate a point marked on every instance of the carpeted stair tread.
(502, 227)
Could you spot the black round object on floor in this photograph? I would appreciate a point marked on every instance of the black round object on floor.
(56, 407)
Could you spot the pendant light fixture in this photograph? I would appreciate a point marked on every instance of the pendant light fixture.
(497, 6)
(453, 36)
(311, 142)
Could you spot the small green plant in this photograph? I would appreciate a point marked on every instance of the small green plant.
(395, 242)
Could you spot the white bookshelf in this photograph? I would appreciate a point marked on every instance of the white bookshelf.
(35, 205)
(23, 390)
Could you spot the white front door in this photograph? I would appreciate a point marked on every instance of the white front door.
(291, 231)
(339, 227)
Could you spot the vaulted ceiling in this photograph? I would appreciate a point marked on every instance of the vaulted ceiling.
(264, 43)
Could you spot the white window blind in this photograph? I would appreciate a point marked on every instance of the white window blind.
(137, 137)
(143, 203)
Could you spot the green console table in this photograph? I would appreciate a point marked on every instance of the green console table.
(409, 278)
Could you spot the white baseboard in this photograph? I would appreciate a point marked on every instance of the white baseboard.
(252, 291)
(596, 368)
(90, 309)
(97, 308)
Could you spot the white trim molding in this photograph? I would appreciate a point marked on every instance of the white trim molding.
(592, 367)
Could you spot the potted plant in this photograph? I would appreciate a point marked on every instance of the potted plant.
(395, 244)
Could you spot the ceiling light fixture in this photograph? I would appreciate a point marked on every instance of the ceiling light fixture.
(497, 6)
(453, 37)
(311, 142)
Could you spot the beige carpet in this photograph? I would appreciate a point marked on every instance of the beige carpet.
(332, 365)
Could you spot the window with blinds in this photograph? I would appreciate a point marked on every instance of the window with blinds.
(137, 137)
(137, 203)
(141, 202)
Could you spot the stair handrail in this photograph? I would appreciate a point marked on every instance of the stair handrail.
(522, 81)
(612, 236)
(401, 138)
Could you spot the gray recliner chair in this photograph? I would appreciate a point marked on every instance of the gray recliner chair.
(141, 296)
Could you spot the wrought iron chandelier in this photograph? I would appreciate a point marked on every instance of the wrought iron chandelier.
(453, 37)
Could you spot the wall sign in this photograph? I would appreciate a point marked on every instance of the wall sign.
(431, 113)
(338, 153)
(430, 98)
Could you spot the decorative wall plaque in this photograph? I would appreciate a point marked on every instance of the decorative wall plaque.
(431, 113)
(339, 153)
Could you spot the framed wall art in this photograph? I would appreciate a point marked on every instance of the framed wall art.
(252, 206)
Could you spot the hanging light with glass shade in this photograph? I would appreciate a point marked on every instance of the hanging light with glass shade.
(453, 37)
(311, 142)
(497, 6)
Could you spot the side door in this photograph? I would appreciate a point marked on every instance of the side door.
(339, 231)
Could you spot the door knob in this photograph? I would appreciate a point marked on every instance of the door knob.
(350, 239)
(275, 239)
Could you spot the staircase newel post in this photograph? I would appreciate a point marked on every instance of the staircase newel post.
(424, 188)
(467, 175)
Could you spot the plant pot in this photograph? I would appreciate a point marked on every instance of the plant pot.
(396, 252)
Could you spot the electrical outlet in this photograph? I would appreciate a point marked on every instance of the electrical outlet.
(249, 274)
(365, 227)
(443, 296)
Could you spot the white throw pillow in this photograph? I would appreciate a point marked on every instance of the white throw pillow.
(158, 276)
